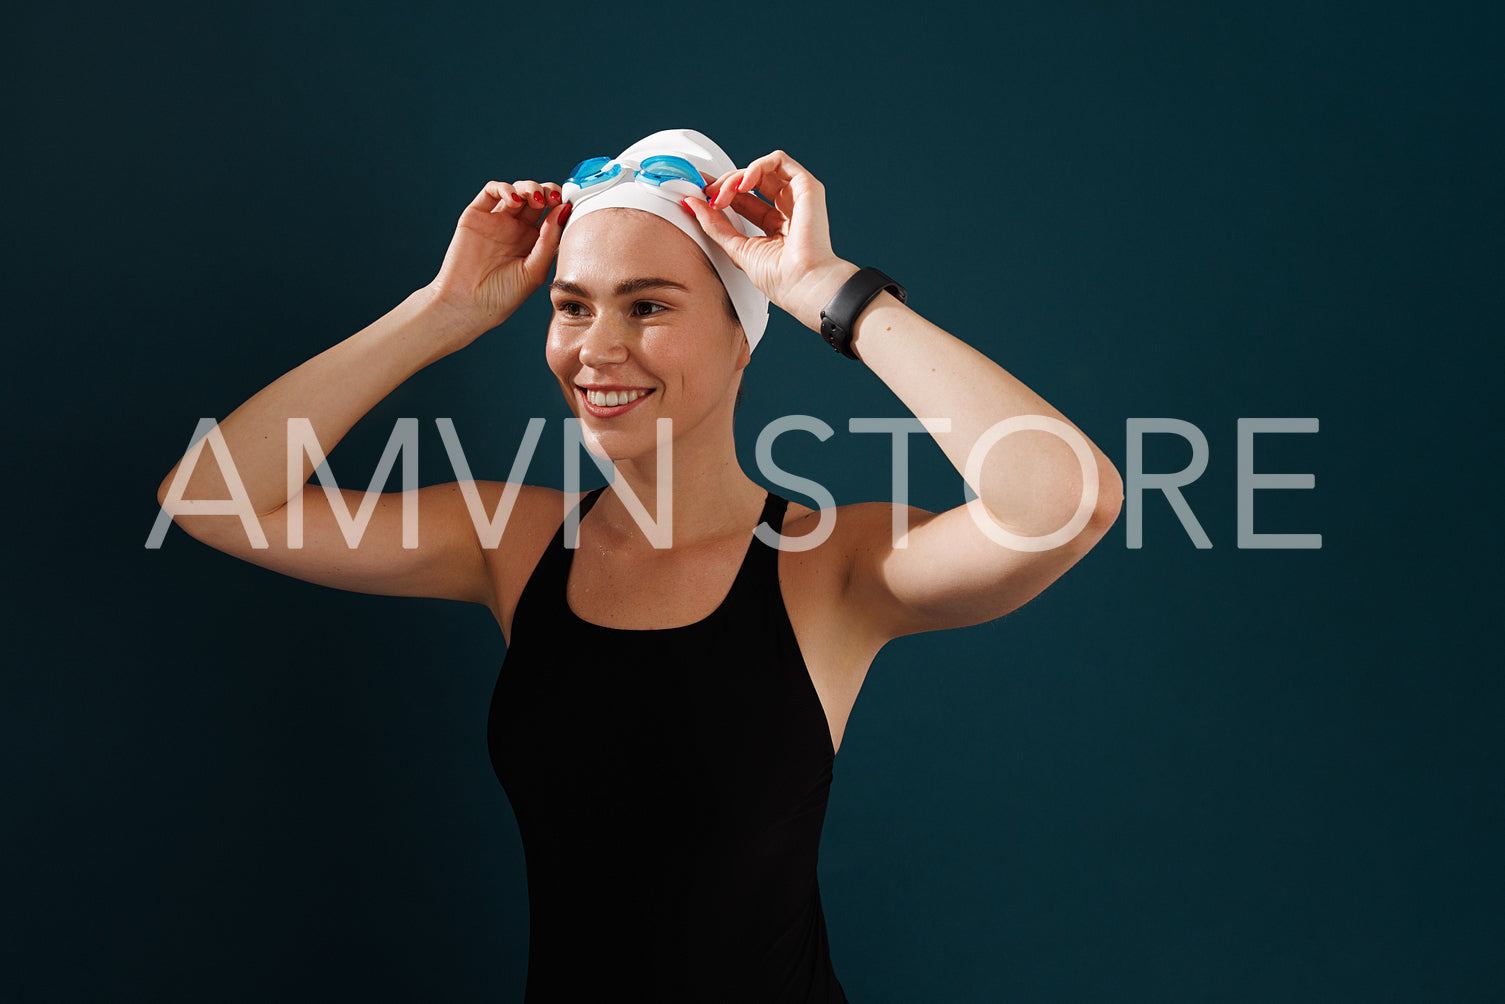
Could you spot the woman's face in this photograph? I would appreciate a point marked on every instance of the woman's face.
(640, 332)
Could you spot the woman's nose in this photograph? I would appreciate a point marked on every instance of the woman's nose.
(603, 344)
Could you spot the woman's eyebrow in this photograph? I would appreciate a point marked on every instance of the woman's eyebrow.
(624, 288)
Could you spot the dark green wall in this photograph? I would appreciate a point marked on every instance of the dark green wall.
(1179, 775)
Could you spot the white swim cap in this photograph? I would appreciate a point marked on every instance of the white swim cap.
(751, 305)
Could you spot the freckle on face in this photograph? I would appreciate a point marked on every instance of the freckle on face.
(607, 247)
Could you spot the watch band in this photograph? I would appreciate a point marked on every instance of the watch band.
(840, 315)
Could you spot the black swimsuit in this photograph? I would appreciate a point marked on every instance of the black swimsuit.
(670, 787)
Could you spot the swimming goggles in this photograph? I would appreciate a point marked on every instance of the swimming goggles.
(666, 176)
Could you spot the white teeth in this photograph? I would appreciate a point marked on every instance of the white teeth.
(612, 398)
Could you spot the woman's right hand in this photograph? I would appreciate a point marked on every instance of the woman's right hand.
(500, 254)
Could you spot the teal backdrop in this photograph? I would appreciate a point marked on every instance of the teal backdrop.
(1181, 774)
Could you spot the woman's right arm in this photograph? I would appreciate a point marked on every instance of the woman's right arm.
(499, 254)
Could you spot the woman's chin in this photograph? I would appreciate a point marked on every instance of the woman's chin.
(617, 445)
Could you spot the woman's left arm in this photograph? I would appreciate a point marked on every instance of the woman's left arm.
(972, 563)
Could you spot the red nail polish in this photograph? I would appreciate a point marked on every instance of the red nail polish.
(517, 198)
(686, 204)
(564, 213)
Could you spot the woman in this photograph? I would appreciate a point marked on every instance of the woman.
(667, 716)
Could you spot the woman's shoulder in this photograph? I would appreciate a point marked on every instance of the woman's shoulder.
(506, 514)
(852, 527)
(822, 547)
(515, 522)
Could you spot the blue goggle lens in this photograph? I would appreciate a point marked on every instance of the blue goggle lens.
(659, 169)
(590, 171)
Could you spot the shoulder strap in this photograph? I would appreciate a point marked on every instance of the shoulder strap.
(762, 562)
(589, 499)
(773, 514)
(543, 594)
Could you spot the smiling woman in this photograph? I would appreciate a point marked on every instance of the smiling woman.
(670, 777)
(640, 332)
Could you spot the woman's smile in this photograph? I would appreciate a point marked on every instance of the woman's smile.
(609, 402)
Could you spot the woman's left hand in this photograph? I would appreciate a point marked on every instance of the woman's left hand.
(793, 265)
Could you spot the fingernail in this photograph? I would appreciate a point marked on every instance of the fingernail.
(686, 204)
(517, 198)
(554, 196)
(564, 213)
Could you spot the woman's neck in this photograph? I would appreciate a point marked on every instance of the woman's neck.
(711, 496)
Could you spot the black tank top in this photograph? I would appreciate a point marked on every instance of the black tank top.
(670, 787)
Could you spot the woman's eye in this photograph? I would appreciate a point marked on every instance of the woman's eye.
(570, 308)
(645, 309)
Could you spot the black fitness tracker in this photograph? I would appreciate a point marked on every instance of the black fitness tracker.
(840, 315)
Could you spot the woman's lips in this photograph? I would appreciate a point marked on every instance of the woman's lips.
(611, 402)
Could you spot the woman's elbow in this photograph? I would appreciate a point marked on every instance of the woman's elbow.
(1109, 503)
(165, 488)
